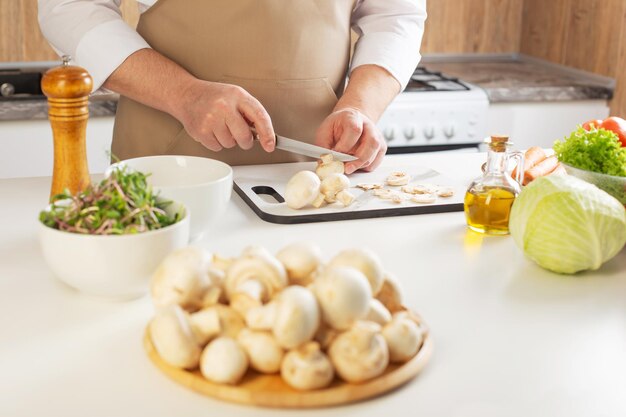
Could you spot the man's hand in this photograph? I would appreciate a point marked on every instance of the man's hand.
(216, 115)
(220, 116)
(351, 127)
(350, 131)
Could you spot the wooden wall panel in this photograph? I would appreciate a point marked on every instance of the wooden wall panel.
(473, 26)
(544, 28)
(11, 39)
(618, 107)
(584, 34)
(20, 37)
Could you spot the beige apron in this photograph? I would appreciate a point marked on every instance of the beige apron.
(292, 55)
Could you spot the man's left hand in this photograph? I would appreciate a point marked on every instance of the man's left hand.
(349, 131)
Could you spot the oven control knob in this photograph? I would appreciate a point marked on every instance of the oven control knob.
(449, 131)
(409, 132)
(429, 131)
(389, 133)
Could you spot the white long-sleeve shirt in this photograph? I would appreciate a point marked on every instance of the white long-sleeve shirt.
(94, 34)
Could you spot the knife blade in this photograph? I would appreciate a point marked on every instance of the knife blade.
(302, 148)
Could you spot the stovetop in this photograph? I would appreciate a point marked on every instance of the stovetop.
(425, 80)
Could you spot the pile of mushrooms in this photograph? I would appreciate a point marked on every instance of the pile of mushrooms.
(326, 185)
(289, 313)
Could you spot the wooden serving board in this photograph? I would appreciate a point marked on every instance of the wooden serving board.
(262, 187)
(271, 391)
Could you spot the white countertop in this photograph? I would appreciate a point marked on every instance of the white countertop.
(510, 338)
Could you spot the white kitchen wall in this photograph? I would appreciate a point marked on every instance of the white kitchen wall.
(540, 124)
(26, 147)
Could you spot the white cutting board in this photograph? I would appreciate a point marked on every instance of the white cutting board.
(252, 182)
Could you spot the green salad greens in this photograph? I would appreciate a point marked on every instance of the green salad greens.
(596, 150)
(122, 203)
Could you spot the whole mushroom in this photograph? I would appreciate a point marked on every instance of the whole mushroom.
(378, 313)
(263, 351)
(293, 317)
(333, 184)
(343, 294)
(253, 278)
(223, 361)
(360, 353)
(302, 189)
(178, 337)
(231, 322)
(301, 260)
(390, 293)
(403, 336)
(307, 368)
(182, 278)
(365, 261)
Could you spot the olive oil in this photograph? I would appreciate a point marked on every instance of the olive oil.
(488, 211)
(489, 198)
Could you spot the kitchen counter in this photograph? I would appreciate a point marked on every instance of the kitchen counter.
(520, 78)
(510, 338)
(37, 109)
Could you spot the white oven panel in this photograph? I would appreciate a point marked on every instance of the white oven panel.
(436, 119)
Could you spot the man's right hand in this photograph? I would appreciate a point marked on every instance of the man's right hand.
(216, 115)
(221, 115)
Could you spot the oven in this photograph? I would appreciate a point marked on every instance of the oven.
(435, 113)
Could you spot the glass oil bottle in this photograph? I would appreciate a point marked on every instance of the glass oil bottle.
(488, 199)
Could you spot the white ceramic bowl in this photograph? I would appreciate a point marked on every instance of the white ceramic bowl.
(117, 266)
(203, 185)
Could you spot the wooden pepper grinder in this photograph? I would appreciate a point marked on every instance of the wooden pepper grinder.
(67, 88)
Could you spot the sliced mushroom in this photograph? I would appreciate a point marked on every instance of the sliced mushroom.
(263, 351)
(182, 279)
(424, 198)
(378, 313)
(327, 166)
(307, 368)
(445, 192)
(372, 186)
(293, 317)
(302, 189)
(223, 361)
(365, 261)
(178, 337)
(343, 294)
(301, 260)
(360, 353)
(398, 178)
(391, 293)
(253, 278)
(403, 336)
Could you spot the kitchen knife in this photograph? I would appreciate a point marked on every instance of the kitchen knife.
(302, 148)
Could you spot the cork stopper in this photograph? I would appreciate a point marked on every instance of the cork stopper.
(498, 143)
(66, 81)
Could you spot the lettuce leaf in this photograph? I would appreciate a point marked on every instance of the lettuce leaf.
(596, 150)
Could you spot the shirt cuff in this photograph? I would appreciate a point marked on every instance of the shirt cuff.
(106, 47)
(397, 54)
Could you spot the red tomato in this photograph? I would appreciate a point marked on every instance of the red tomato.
(617, 125)
(591, 124)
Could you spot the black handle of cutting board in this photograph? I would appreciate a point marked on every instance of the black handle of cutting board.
(347, 215)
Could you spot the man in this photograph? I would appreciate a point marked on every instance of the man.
(197, 75)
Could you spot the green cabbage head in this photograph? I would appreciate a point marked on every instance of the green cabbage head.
(567, 225)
